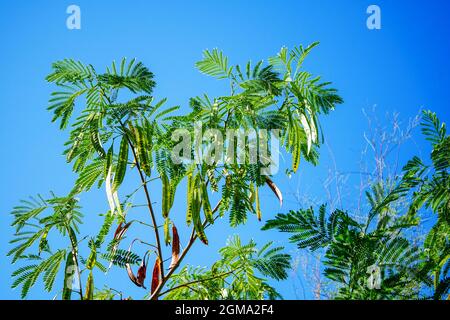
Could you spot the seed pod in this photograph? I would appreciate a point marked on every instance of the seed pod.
(212, 180)
(275, 190)
(251, 195)
(130, 273)
(167, 238)
(118, 235)
(207, 205)
(155, 275)
(122, 163)
(68, 276)
(92, 259)
(120, 231)
(89, 295)
(166, 195)
(297, 146)
(258, 206)
(190, 198)
(142, 148)
(95, 136)
(175, 247)
(141, 274)
(196, 206)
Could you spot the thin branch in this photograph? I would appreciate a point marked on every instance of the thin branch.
(191, 241)
(149, 202)
(187, 284)
(144, 185)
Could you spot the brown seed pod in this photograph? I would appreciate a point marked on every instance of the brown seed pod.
(118, 235)
(156, 274)
(275, 190)
(175, 247)
(131, 275)
(139, 280)
(141, 274)
(120, 231)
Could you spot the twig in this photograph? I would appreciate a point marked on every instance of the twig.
(187, 284)
(191, 241)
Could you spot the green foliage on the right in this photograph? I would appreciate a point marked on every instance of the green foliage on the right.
(377, 259)
(430, 186)
(353, 249)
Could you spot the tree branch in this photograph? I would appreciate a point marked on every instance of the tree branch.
(149, 202)
(192, 239)
(187, 284)
(144, 185)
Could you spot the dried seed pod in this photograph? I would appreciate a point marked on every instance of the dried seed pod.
(275, 190)
(120, 231)
(175, 247)
(118, 235)
(131, 275)
(156, 275)
(141, 274)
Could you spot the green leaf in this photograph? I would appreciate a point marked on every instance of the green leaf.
(70, 71)
(137, 78)
(214, 64)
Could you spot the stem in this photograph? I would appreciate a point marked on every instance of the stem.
(187, 284)
(149, 202)
(192, 239)
(147, 194)
(143, 242)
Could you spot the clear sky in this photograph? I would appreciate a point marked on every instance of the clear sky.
(401, 68)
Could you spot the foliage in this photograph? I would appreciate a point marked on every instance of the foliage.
(430, 185)
(234, 276)
(33, 226)
(355, 250)
(117, 125)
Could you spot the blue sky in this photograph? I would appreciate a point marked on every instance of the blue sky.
(401, 68)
